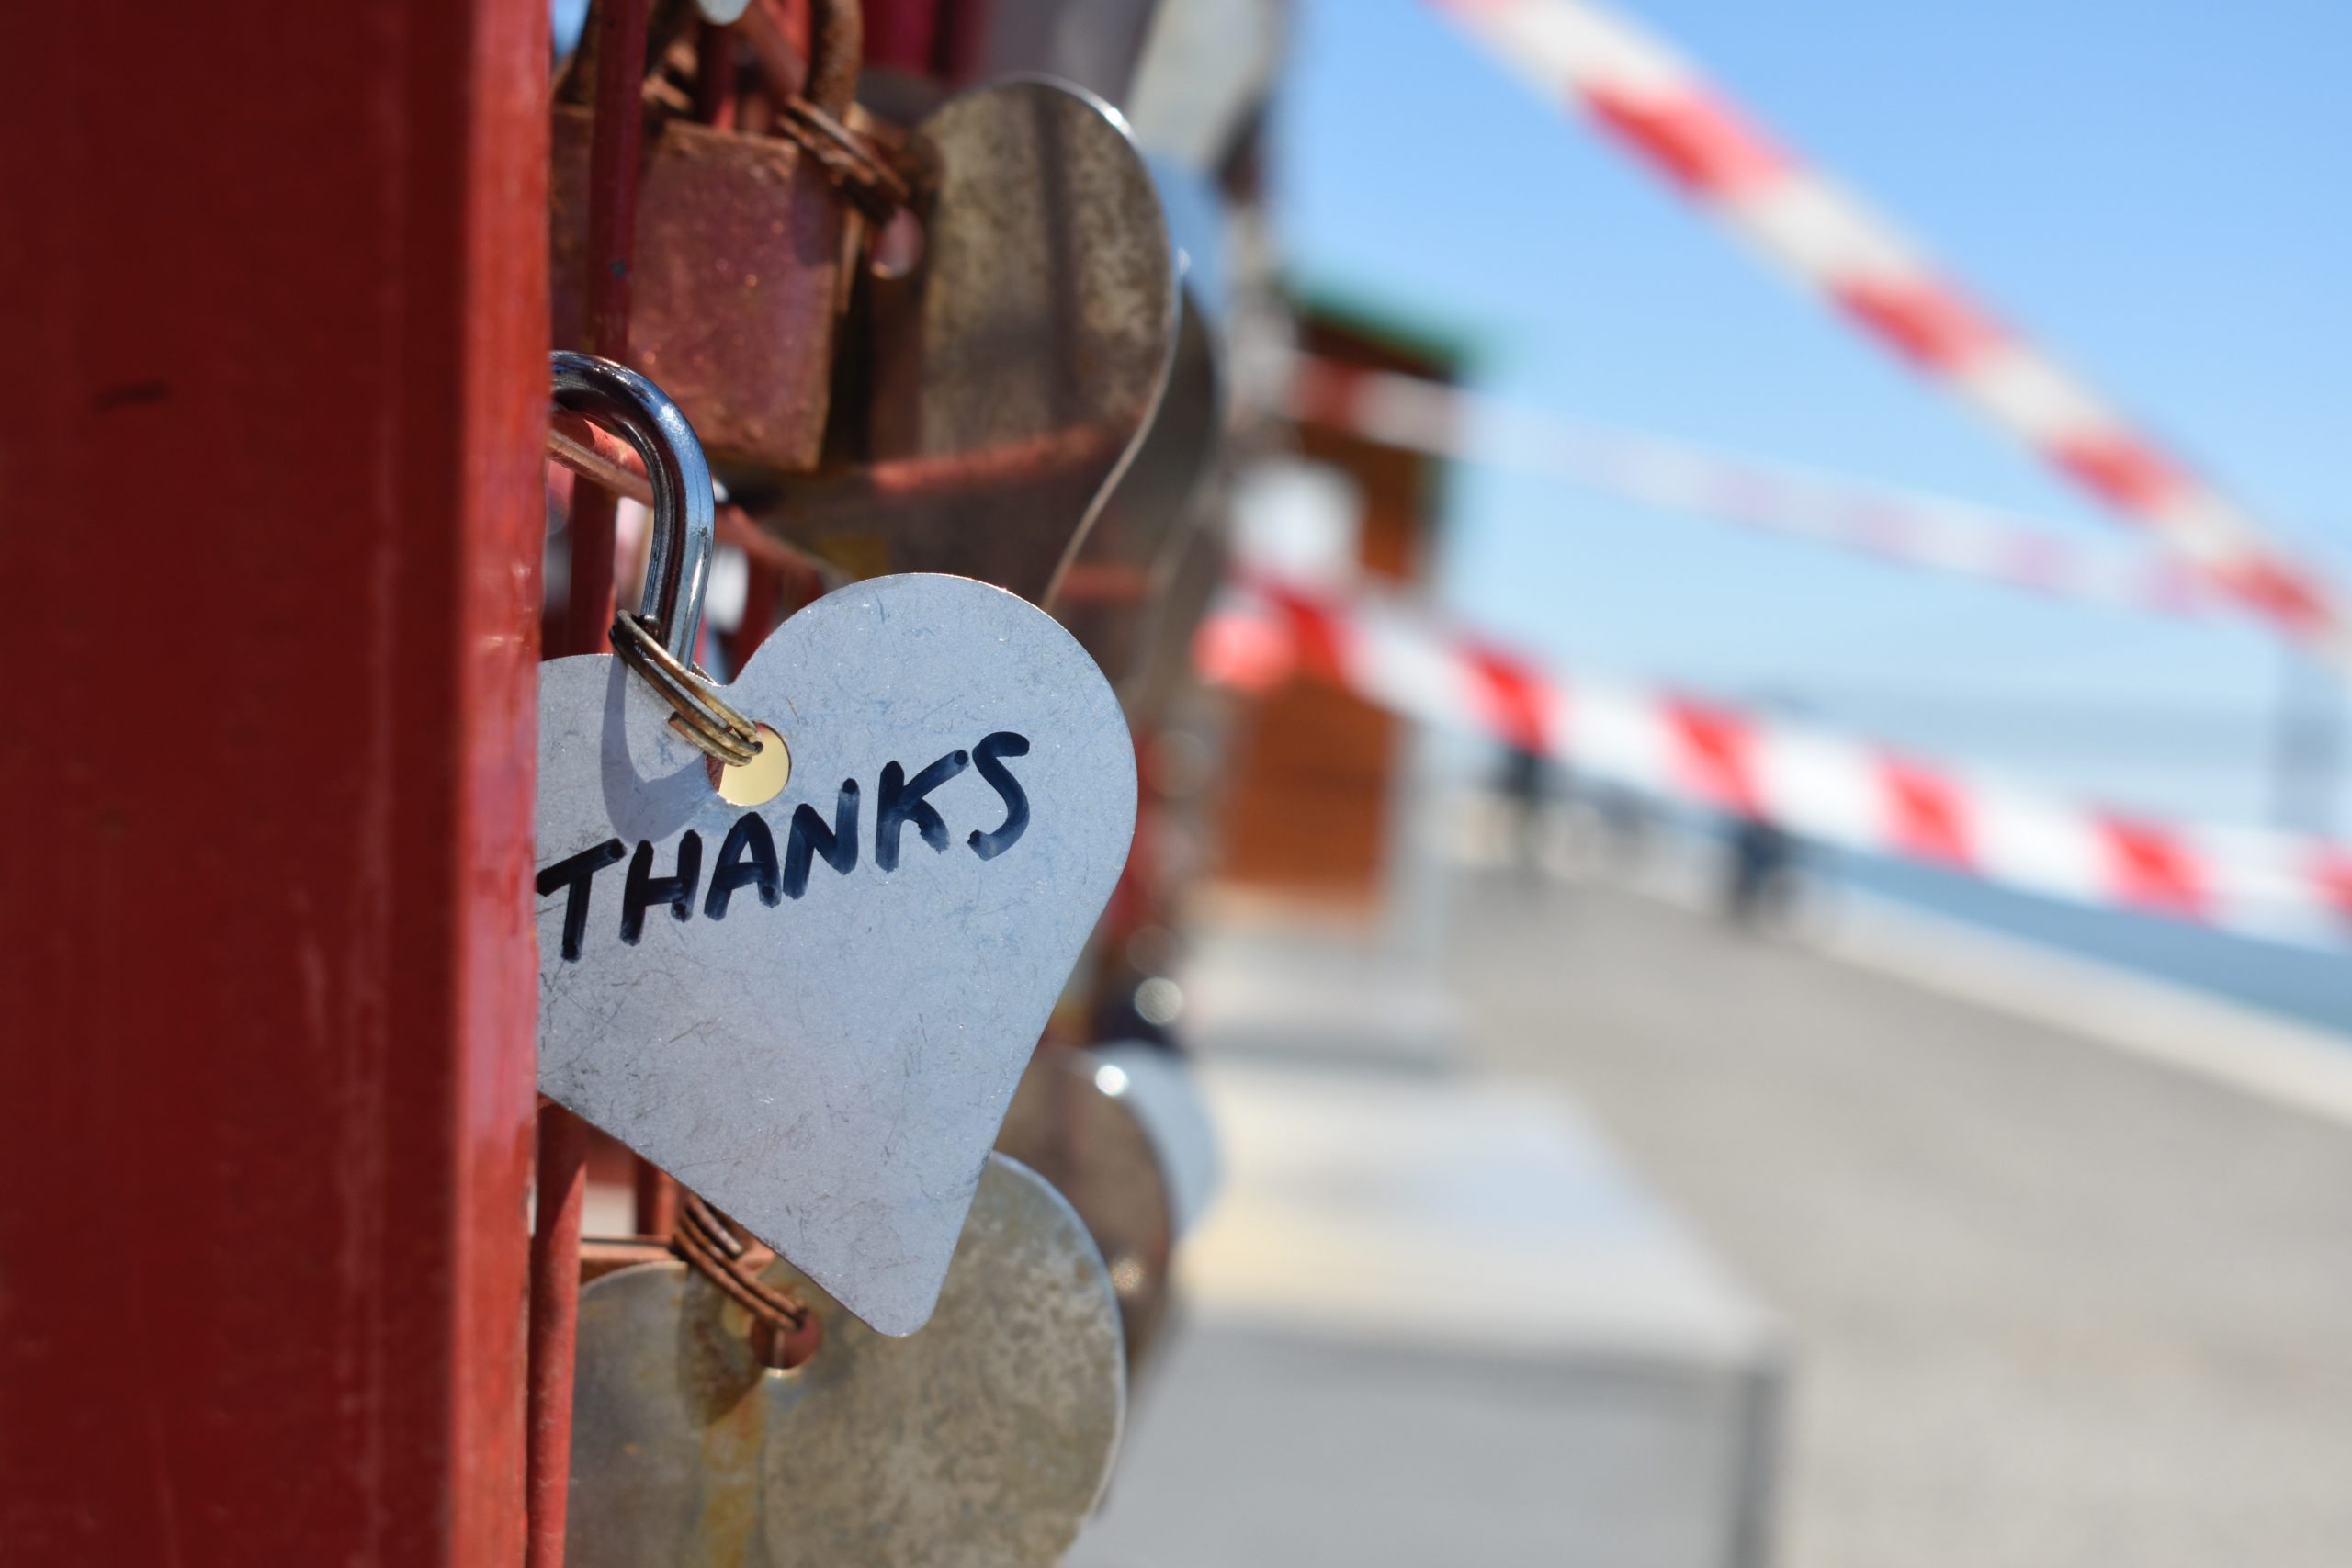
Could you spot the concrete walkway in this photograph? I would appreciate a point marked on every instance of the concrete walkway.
(2050, 1304)
(1432, 1319)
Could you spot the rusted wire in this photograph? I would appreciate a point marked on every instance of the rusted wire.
(593, 460)
(710, 1244)
(699, 714)
(853, 165)
(606, 462)
(816, 108)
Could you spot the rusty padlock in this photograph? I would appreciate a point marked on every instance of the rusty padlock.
(740, 252)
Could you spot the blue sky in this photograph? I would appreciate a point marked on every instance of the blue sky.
(2154, 191)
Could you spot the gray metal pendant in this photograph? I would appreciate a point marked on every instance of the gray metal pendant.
(1013, 371)
(983, 1440)
(814, 1011)
(1070, 1123)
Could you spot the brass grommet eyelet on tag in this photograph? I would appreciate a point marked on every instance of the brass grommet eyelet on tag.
(759, 780)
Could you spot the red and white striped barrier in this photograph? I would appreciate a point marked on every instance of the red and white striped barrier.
(1824, 786)
(1656, 105)
(1907, 529)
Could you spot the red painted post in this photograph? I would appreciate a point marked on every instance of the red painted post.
(268, 986)
(653, 1201)
(763, 597)
(562, 1199)
(562, 1164)
(611, 252)
(900, 34)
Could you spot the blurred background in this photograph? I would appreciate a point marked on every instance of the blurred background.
(1638, 1144)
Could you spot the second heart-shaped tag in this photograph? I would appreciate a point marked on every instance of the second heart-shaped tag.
(814, 1009)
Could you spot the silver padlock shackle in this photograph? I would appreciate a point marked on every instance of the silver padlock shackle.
(658, 641)
(684, 519)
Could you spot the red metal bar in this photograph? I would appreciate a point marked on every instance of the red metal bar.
(957, 51)
(562, 1195)
(715, 76)
(588, 612)
(762, 596)
(562, 1166)
(611, 254)
(900, 34)
(777, 35)
(269, 991)
(612, 178)
(654, 1200)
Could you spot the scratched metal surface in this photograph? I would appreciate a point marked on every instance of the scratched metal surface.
(831, 1070)
(1114, 597)
(1085, 1140)
(981, 1442)
(1013, 371)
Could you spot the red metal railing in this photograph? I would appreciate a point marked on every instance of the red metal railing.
(562, 1170)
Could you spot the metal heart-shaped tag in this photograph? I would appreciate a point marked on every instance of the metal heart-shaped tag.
(982, 1441)
(814, 1011)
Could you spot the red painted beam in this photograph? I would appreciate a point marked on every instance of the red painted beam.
(901, 34)
(268, 984)
(613, 157)
(562, 1179)
(562, 1169)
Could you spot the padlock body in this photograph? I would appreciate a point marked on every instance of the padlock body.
(735, 287)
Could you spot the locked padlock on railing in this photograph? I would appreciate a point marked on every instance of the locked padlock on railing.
(738, 283)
